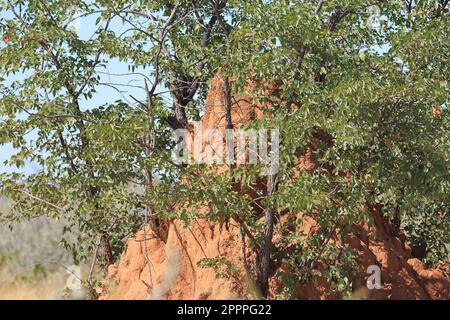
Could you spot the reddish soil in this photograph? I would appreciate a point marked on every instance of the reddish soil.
(174, 270)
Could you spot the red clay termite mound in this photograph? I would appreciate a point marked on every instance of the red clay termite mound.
(173, 264)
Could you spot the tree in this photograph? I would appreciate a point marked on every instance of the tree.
(368, 103)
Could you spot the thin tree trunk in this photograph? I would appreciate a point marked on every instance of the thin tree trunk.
(396, 221)
(228, 103)
(264, 254)
(106, 252)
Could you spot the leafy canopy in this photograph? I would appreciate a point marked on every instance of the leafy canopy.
(370, 102)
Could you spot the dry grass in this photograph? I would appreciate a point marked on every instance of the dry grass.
(32, 260)
(15, 287)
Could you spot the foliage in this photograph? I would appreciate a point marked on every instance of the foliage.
(221, 266)
(370, 103)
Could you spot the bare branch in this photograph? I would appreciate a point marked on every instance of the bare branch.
(54, 206)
